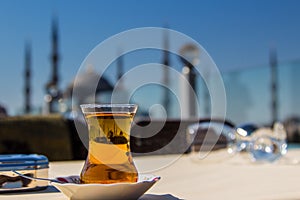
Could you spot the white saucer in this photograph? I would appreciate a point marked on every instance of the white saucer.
(108, 191)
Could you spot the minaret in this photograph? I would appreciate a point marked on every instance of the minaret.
(189, 55)
(54, 54)
(120, 94)
(27, 74)
(166, 81)
(274, 80)
(120, 69)
(53, 93)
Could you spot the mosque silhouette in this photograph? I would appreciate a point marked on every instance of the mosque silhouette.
(55, 97)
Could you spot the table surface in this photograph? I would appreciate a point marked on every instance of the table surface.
(217, 176)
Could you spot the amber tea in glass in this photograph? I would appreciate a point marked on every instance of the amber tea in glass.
(109, 159)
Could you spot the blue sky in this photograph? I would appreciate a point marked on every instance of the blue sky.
(237, 34)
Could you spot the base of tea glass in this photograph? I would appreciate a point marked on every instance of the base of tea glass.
(109, 159)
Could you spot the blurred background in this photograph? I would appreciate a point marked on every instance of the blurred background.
(255, 45)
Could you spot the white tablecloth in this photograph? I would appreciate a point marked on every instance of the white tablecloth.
(216, 177)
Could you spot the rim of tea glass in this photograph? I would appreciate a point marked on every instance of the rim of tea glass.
(119, 108)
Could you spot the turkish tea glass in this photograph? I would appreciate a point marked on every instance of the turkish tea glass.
(109, 159)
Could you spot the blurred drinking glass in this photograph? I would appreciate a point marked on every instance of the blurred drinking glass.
(211, 135)
(263, 144)
(268, 144)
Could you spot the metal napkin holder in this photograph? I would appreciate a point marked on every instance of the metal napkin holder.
(32, 165)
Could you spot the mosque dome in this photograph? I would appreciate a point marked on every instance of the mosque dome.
(86, 84)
